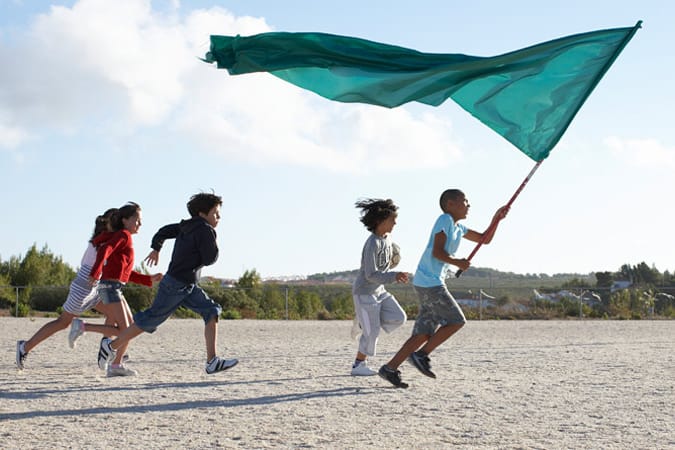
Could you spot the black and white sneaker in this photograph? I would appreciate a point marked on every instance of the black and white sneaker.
(218, 364)
(392, 376)
(422, 362)
(105, 353)
(20, 354)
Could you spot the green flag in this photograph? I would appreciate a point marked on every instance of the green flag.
(528, 96)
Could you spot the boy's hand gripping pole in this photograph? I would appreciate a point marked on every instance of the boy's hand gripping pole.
(494, 223)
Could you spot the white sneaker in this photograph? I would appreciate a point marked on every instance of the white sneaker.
(76, 330)
(218, 364)
(362, 370)
(120, 371)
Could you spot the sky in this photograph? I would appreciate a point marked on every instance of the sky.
(107, 102)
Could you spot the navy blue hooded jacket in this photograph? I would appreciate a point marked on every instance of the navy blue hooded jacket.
(195, 247)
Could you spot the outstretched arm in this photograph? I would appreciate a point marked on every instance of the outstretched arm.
(486, 236)
(152, 259)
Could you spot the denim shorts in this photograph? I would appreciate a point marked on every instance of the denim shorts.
(110, 291)
(171, 294)
(437, 309)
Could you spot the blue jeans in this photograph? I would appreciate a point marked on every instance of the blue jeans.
(171, 294)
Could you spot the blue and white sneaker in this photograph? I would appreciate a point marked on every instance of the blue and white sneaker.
(105, 353)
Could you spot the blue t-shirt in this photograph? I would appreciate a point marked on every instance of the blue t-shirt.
(431, 271)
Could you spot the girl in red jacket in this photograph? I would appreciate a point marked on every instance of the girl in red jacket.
(114, 264)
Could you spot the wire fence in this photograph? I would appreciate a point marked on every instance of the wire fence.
(284, 301)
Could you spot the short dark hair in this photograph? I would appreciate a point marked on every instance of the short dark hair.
(450, 194)
(126, 211)
(374, 211)
(202, 203)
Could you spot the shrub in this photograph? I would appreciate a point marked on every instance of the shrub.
(22, 311)
(185, 313)
(48, 298)
(231, 314)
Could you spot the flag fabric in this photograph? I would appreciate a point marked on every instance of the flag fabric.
(528, 96)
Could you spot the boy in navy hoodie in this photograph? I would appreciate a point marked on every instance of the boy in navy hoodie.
(195, 247)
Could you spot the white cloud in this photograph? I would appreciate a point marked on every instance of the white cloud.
(260, 118)
(123, 67)
(643, 152)
(11, 137)
(116, 62)
(124, 46)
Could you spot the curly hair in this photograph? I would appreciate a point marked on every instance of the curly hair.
(375, 210)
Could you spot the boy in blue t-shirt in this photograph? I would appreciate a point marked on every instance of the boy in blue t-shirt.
(439, 314)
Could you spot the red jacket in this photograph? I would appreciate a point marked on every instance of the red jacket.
(115, 260)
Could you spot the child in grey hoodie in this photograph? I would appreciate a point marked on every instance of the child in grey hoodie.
(376, 308)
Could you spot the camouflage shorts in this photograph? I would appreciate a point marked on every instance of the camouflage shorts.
(437, 308)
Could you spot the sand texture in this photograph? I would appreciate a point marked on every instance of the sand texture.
(500, 385)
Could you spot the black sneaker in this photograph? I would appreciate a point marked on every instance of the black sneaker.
(422, 362)
(392, 376)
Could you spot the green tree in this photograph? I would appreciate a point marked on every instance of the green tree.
(10, 268)
(7, 295)
(604, 279)
(625, 272)
(272, 303)
(252, 282)
(42, 268)
(307, 305)
(646, 275)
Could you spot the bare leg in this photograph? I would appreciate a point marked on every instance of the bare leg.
(105, 330)
(118, 314)
(125, 337)
(109, 327)
(361, 356)
(48, 329)
(127, 312)
(211, 336)
(411, 345)
(441, 335)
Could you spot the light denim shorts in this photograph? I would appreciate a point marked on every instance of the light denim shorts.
(110, 291)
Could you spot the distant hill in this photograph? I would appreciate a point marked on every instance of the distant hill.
(475, 277)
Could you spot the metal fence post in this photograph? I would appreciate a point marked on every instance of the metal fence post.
(286, 298)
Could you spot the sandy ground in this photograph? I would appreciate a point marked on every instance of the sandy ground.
(510, 384)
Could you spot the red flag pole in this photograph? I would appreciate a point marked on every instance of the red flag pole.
(495, 223)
